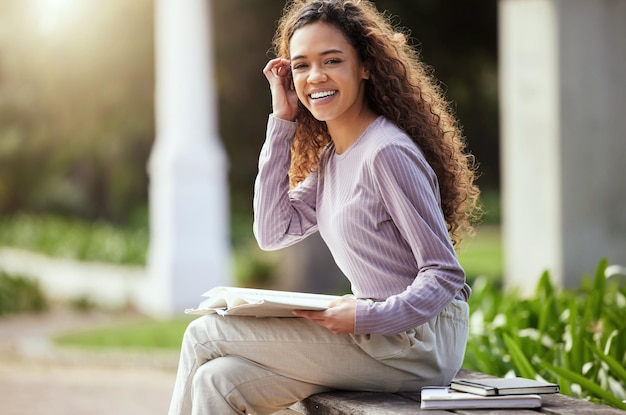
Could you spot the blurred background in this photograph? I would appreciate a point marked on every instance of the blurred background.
(77, 114)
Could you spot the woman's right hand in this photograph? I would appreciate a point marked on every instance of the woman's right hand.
(284, 98)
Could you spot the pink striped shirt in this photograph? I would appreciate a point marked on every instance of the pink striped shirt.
(377, 207)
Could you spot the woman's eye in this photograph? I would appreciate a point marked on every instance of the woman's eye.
(298, 66)
(333, 61)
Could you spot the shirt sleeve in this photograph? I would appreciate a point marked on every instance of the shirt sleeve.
(409, 190)
(282, 216)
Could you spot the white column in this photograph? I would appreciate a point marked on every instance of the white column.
(530, 131)
(593, 134)
(189, 224)
(563, 96)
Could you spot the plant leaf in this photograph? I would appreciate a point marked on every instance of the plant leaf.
(587, 384)
(521, 363)
(613, 364)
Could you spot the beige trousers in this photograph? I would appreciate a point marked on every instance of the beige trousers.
(248, 365)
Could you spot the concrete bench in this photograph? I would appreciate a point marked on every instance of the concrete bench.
(369, 403)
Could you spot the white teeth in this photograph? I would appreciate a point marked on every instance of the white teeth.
(318, 95)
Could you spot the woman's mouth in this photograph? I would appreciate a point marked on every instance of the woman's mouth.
(322, 94)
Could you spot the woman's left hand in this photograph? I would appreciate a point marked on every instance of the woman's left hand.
(338, 317)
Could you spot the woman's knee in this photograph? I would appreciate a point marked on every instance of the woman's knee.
(208, 378)
(197, 330)
(230, 382)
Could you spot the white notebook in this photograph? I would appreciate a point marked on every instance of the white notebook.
(438, 397)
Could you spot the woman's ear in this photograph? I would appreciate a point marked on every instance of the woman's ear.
(365, 72)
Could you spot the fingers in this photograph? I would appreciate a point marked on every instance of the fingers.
(277, 68)
(338, 318)
(342, 300)
(284, 98)
(311, 315)
(320, 318)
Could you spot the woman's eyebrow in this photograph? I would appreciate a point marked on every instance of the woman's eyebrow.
(326, 52)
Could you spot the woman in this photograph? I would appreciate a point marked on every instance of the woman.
(362, 148)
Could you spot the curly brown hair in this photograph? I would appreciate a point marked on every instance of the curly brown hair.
(401, 88)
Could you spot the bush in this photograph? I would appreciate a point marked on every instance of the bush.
(19, 294)
(576, 338)
(70, 238)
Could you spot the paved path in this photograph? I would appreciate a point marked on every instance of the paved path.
(37, 378)
(53, 389)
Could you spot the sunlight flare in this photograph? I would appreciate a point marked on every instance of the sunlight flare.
(51, 14)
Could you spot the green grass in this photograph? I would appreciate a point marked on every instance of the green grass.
(482, 254)
(138, 334)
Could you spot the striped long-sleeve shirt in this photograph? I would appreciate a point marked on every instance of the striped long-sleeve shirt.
(377, 207)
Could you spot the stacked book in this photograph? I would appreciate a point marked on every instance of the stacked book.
(498, 393)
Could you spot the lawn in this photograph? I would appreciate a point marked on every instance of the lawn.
(136, 334)
(481, 255)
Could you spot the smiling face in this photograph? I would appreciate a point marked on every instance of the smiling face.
(328, 76)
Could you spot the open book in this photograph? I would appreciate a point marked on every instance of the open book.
(235, 301)
(439, 397)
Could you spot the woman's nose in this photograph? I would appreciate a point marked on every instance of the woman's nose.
(317, 74)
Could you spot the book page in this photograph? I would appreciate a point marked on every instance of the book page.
(259, 302)
(304, 300)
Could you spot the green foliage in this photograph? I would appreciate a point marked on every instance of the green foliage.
(102, 242)
(576, 338)
(253, 267)
(19, 294)
(82, 304)
(85, 241)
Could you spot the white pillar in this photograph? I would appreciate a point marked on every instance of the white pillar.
(189, 224)
(563, 95)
